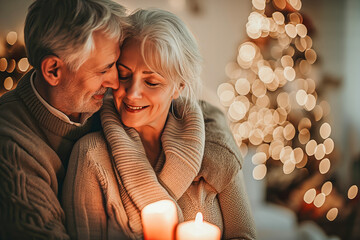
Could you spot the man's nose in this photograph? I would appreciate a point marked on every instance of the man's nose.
(112, 80)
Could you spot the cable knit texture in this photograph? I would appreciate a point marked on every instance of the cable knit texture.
(110, 180)
(34, 150)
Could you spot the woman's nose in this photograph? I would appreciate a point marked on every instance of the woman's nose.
(134, 90)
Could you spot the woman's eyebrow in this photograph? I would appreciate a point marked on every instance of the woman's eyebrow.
(125, 66)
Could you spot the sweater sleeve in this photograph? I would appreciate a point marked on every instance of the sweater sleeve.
(29, 206)
(235, 208)
(82, 197)
(90, 196)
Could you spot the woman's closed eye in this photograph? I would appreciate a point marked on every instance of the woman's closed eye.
(151, 83)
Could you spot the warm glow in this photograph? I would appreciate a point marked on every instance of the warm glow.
(8, 83)
(227, 97)
(326, 188)
(309, 195)
(318, 112)
(243, 149)
(275, 149)
(259, 158)
(304, 123)
(197, 229)
(259, 4)
(264, 102)
(247, 52)
(304, 136)
(258, 88)
(352, 192)
(159, 220)
(310, 147)
(278, 18)
(11, 66)
(279, 4)
(329, 145)
(11, 38)
(285, 154)
(311, 85)
(266, 74)
(259, 171)
(326, 107)
(325, 130)
(290, 30)
(295, 17)
(282, 99)
(319, 151)
(301, 97)
(288, 167)
(319, 200)
(242, 86)
(310, 56)
(289, 131)
(237, 110)
(264, 148)
(199, 218)
(278, 133)
(304, 67)
(23, 64)
(301, 30)
(310, 103)
(280, 116)
(244, 129)
(332, 214)
(324, 166)
(287, 61)
(303, 162)
(298, 155)
(224, 87)
(256, 136)
(289, 73)
(3, 64)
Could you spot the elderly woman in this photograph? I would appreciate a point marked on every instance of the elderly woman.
(158, 142)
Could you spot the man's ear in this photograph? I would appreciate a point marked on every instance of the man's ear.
(52, 68)
(178, 91)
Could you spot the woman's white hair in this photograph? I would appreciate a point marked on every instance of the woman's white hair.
(168, 48)
(65, 28)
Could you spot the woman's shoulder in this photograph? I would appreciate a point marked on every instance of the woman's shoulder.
(220, 165)
(222, 158)
(89, 148)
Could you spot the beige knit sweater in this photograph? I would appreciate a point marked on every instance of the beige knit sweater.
(34, 150)
(109, 179)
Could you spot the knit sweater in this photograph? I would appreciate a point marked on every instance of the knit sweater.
(110, 180)
(35, 147)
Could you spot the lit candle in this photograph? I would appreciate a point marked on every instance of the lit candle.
(197, 230)
(159, 220)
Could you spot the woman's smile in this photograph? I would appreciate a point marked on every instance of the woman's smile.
(134, 109)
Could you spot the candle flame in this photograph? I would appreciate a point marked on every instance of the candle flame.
(199, 218)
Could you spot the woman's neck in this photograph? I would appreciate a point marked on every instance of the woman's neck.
(151, 140)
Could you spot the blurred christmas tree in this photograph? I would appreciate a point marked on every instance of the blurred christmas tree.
(273, 102)
(13, 61)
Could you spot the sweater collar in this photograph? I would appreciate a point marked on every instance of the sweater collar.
(45, 118)
(183, 143)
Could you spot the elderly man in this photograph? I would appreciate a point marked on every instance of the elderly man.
(73, 46)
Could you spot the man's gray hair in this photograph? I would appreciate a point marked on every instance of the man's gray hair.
(64, 28)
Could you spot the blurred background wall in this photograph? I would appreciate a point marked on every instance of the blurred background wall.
(219, 27)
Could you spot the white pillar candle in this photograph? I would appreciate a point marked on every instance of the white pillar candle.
(197, 230)
(159, 220)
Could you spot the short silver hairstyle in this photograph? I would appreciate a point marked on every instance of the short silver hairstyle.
(64, 28)
(168, 48)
